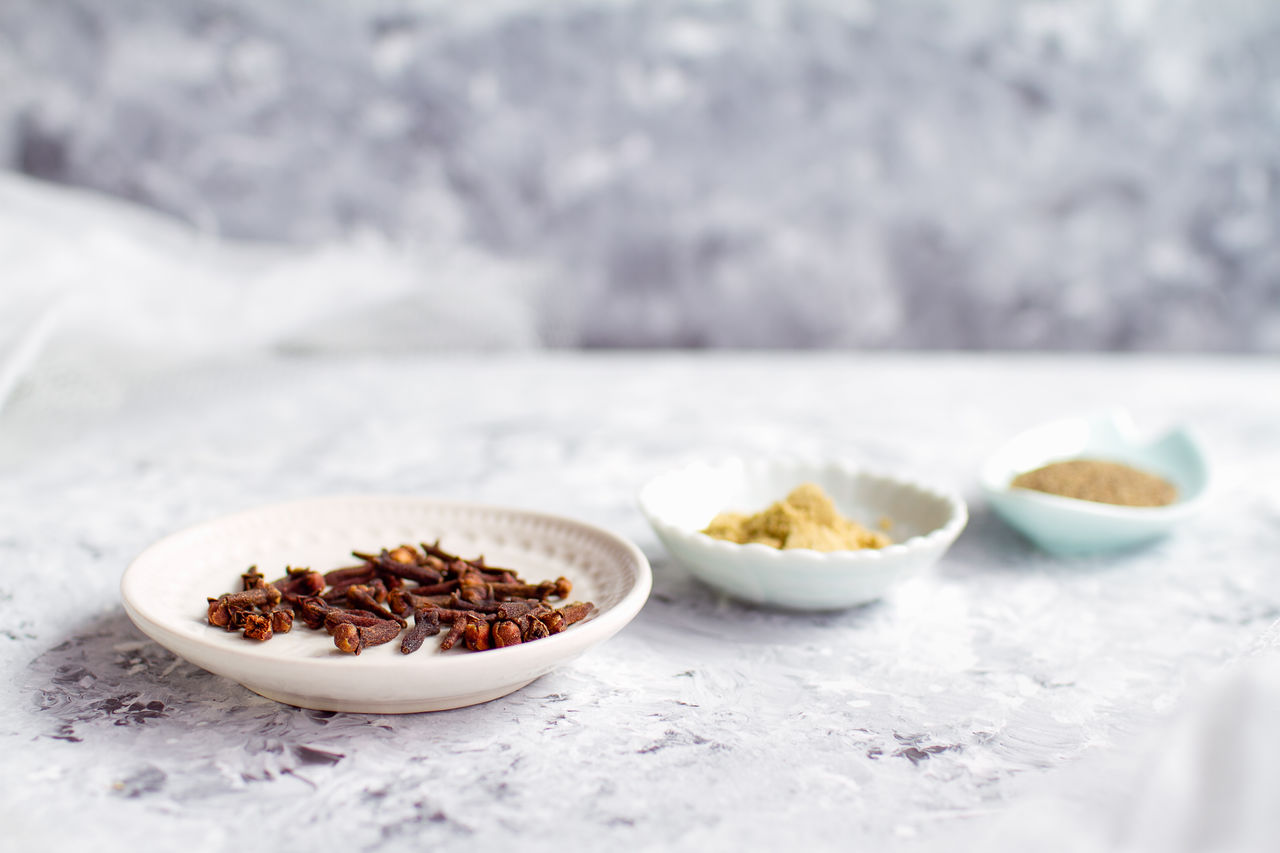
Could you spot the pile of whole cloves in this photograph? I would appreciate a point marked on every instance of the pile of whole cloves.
(370, 604)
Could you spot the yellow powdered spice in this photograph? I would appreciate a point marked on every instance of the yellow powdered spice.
(806, 519)
(1103, 482)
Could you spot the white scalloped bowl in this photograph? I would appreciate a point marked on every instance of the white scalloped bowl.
(679, 504)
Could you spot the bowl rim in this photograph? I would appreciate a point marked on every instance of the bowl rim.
(957, 513)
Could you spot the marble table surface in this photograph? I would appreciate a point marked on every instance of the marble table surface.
(1003, 674)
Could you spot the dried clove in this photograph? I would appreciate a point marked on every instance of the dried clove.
(281, 620)
(378, 588)
(560, 587)
(355, 639)
(362, 573)
(477, 635)
(360, 618)
(257, 627)
(362, 597)
(520, 607)
(506, 633)
(299, 582)
(415, 601)
(458, 565)
(437, 588)
(219, 613)
(576, 612)
(405, 566)
(398, 602)
(313, 610)
(533, 629)
(448, 614)
(404, 554)
(435, 551)
(257, 597)
(426, 623)
(486, 607)
(473, 589)
(455, 634)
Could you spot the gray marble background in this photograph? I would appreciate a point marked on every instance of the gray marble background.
(1068, 175)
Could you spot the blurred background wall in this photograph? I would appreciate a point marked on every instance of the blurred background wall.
(767, 173)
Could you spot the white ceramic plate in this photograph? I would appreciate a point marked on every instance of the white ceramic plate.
(926, 520)
(165, 588)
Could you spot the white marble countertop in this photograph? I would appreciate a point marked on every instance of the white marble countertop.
(1004, 674)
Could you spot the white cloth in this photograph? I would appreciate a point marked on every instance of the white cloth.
(135, 290)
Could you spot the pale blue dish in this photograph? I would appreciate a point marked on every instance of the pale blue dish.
(1070, 526)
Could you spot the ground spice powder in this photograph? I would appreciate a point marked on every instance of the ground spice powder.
(1103, 482)
(806, 519)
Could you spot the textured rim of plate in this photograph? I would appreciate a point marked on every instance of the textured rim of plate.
(957, 517)
(599, 626)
